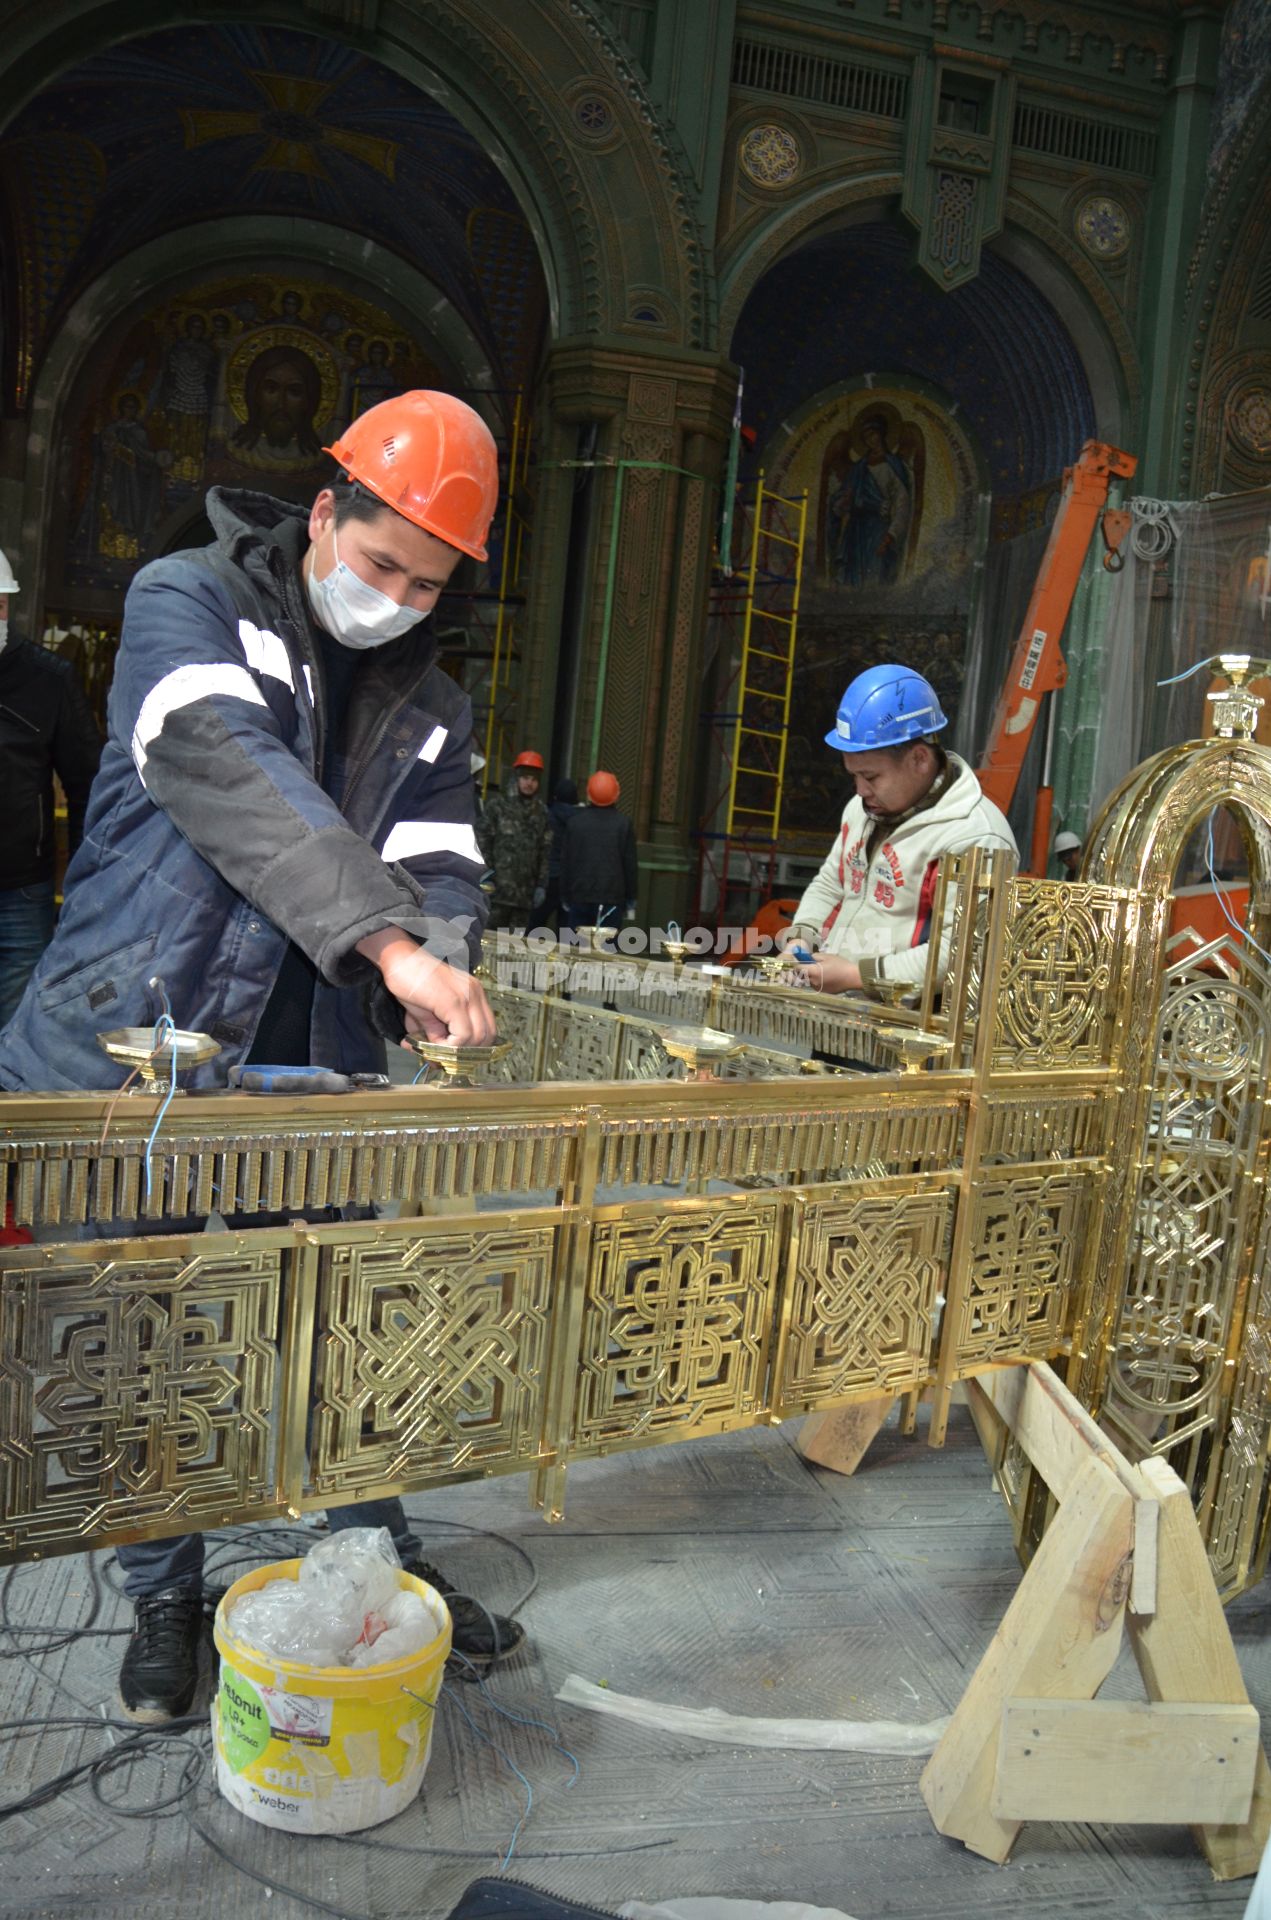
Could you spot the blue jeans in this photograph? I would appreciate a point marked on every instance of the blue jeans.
(26, 927)
(152, 1565)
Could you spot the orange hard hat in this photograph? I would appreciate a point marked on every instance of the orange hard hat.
(603, 789)
(432, 459)
(529, 759)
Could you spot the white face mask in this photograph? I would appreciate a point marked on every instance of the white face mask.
(355, 614)
(4, 632)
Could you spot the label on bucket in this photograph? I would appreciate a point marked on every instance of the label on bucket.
(245, 1728)
(298, 1716)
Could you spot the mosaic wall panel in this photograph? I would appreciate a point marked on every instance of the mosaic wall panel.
(137, 1390)
(432, 1352)
(1028, 1238)
(676, 1321)
(863, 1294)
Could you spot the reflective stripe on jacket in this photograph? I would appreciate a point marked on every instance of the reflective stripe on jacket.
(209, 843)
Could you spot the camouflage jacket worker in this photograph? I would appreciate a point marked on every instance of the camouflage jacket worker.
(515, 835)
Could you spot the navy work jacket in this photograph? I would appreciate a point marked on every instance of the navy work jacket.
(209, 842)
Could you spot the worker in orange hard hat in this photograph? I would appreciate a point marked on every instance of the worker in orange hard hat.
(280, 851)
(516, 834)
(599, 871)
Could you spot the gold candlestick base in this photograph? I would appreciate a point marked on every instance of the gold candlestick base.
(892, 992)
(135, 1047)
(699, 1047)
(676, 951)
(460, 1064)
(913, 1045)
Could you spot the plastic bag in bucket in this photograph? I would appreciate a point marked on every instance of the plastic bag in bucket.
(322, 1749)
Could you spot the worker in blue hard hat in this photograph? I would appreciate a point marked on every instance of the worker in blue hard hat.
(866, 917)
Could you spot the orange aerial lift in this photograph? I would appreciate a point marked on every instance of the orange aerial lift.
(1037, 666)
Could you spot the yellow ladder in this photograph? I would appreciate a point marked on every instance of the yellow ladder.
(761, 725)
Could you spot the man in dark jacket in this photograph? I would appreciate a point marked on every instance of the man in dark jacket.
(561, 810)
(281, 837)
(515, 834)
(46, 728)
(599, 874)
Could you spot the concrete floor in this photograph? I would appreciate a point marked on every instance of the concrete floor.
(726, 1573)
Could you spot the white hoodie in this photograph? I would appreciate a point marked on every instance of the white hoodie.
(864, 911)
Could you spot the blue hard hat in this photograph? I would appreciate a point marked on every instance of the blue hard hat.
(885, 707)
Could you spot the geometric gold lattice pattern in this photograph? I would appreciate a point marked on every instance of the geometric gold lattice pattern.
(1195, 1216)
(136, 1391)
(863, 1294)
(676, 1321)
(1055, 1004)
(1027, 1243)
(431, 1354)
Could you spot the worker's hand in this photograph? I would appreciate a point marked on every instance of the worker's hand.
(436, 999)
(831, 973)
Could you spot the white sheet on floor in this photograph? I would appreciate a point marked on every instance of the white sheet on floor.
(716, 1907)
(746, 1730)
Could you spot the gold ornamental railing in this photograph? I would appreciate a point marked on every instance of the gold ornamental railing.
(593, 1251)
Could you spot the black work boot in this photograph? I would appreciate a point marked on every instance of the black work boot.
(160, 1673)
(478, 1639)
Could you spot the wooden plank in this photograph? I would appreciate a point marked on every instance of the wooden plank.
(1059, 1436)
(840, 1437)
(1053, 1427)
(1059, 1639)
(989, 1425)
(1125, 1762)
(1185, 1653)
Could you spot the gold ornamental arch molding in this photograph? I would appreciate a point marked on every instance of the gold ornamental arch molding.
(633, 1232)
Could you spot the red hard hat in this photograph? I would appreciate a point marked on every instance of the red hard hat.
(603, 789)
(430, 458)
(529, 759)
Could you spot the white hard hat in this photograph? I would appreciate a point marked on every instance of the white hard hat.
(1067, 843)
(7, 582)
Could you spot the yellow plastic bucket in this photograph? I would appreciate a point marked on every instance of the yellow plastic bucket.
(322, 1749)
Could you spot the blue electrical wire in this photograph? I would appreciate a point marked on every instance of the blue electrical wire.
(453, 1700)
(1214, 662)
(522, 1719)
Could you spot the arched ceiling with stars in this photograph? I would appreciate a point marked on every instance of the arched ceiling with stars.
(196, 123)
(850, 305)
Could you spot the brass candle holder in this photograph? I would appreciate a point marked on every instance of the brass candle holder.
(676, 952)
(913, 1045)
(134, 1047)
(700, 1048)
(460, 1064)
(892, 993)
